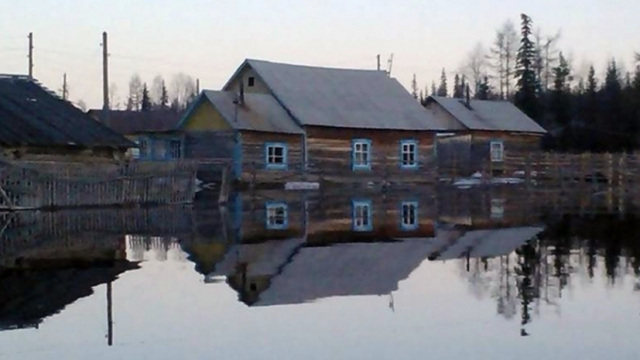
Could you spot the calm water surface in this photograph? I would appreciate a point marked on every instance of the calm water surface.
(502, 281)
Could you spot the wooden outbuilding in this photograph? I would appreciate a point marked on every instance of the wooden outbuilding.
(482, 134)
(35, 124)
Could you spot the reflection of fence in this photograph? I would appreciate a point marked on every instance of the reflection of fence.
(559, 170)
(53, 184)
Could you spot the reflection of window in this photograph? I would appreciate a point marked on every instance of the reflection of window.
(277, 216)
(276, 155)
(497, 151)
(361, 154)
(143, 145)
(497, 208)
(174, 149)
(408, 154)
(409, 215)
(361, 218)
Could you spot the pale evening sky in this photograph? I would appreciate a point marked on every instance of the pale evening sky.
(208, 39)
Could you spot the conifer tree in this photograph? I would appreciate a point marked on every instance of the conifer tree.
(442, 89)
(145, 103)
(527, 86)
(484, 90)
(164, 97)
(414, 87)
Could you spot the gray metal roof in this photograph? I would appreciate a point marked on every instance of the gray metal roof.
(32, 115)
(343, 98)
(489, 115)
(260, 112)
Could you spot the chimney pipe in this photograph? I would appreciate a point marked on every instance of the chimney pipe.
(468, 97)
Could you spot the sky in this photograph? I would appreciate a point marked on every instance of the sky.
(209, 39)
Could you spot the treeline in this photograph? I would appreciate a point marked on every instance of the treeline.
(156, 96)
(581, 109)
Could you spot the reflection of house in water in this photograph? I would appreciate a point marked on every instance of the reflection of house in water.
(295, 248)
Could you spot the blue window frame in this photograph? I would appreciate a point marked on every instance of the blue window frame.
(173, 149)
(276, 156)
(409, 219)
(409, 154)
(361, 219)
(361, 154)
(277, 216)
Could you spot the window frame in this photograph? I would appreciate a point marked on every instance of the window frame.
(416, 218)
(414, 164)
(367, 225)
(274, 206)
(144, 145)
(500, 143)
(169, 151)
(354, 144)
(285, 156)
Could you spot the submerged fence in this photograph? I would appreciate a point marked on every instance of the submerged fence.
(37, 185)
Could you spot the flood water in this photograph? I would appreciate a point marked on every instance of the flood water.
(460, 275)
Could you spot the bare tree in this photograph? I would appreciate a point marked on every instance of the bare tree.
(114, 100)
(156, 89)
(503, 57)
(134, 100)
(183, 90)
(82, 105)
(414, 87)
(475, 67)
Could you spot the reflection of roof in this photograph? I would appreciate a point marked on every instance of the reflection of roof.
(346, 270)
(261, 259)
(31, 115)
(489, 115)
(260, 112)
(488, 243)
(128, 122)
(343, 97)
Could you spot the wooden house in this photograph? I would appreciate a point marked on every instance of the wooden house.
(37, 125)
(155, 132)
(349, 125)
(482, 134)
(251, 131)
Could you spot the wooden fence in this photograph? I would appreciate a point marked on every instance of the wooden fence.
(38, 185)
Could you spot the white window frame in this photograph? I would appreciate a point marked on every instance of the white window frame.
(362, 219)
(496, 151)
(409, 219)
(277, 216)
(409, 148)
(270, 158)
(361, 154)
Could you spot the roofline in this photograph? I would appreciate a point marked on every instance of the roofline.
(189, 111)
(540, 133)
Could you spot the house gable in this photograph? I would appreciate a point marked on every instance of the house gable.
(441, 113)
(246, 73)
(204, 117)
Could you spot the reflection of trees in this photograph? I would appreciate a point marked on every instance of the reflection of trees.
(538, 273)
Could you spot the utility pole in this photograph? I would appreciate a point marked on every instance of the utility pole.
(105, 79)
(378, 57)
(65, 90)
(109, 314)
(31, 56)
(390, 65)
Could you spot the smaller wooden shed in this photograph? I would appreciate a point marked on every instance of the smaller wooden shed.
(482, 133)
(252, 131)
(155, 132)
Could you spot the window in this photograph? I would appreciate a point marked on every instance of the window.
(251, 82)
(361, 217)
(497, 151)
(277, 216)
(409, 154)
(143, 145)
(409, 214)
(276, 156)
(135, 152)
(497, 208)
(361, 154)
(174, 149)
